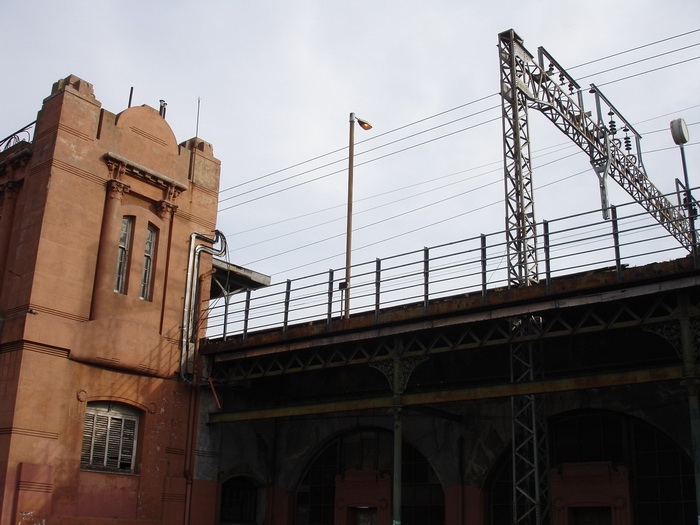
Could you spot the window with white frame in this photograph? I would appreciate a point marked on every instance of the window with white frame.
(109, 437)
(123, 254)
(149, 253)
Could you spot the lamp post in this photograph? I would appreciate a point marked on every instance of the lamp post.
(679, 132)
(348, 236)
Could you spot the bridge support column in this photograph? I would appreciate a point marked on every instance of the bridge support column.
(689, 335)
(398, 458)
(397, 370)
(694, 406)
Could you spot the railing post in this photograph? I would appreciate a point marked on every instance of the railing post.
(287, 295)
(483, 269)
(426, 279)
(377, 288)
(547, 261)
(246, 314)
(616, 241)
(329, 315)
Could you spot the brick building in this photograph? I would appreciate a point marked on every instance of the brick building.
(97, 216)
(106, 239)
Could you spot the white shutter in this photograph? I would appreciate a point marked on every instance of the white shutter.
(109, 438)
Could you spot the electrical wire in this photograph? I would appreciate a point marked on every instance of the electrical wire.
(472, 210)
(409, 147)
(425, 226)
(635, 48)
(358, 164)
(648, 71)
(637, 61)
(413, 196)
(470, 127)
(374, 137)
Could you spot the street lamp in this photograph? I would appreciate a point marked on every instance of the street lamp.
(679, 132)
(348, 236)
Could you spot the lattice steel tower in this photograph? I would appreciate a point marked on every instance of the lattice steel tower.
(614, 151)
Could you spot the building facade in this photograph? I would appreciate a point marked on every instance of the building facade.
(98, 214)
(111, 412)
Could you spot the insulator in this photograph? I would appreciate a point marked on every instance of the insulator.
(628, 143)
(612, 123)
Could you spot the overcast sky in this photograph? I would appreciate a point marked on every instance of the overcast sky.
(278, 79)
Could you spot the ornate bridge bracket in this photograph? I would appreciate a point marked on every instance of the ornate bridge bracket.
(398, 370)
(684, 336)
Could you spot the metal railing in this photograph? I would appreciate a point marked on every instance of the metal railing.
(569, 245)
(25, 134)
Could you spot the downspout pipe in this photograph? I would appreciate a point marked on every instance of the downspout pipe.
(189, 310)
(198, 244)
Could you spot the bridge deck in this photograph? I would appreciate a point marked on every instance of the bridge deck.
(500, 303)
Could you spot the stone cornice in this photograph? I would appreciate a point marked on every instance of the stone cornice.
(134, 169)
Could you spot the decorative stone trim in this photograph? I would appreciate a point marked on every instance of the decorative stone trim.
(172, 187)
(117, 189)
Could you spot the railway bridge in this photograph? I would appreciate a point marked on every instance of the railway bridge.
(406, 406)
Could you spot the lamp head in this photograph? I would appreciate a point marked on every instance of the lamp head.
(364, 124)
(679, 131)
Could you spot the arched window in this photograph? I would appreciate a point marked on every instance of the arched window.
(110, 432)
(239, 500)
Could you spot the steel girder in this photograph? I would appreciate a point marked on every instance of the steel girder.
(541, 86)
(585, 315)
(521, 230)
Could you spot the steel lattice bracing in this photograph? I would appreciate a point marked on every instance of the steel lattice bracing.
(530, 486)
(526, 84)
(529, 429)
(521, 232)
(542, 87)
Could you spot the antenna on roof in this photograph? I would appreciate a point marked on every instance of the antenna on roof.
(131, 95)
(196, 128)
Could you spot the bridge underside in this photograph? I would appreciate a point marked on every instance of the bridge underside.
(598, 329)
(618, 343)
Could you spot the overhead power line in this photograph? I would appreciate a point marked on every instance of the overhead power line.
(396, 141)
(375, 137)
(308, 181)
(635, 49)
(361, 163)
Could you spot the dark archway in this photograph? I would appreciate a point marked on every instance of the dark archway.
(364, 457)
(659, 472)
(239, 501)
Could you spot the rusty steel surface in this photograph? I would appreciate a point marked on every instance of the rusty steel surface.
(649, 375)
(563, 292)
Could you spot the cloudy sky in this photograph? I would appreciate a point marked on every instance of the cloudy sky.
(276, 81)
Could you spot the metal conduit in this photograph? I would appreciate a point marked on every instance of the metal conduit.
(189, 310)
